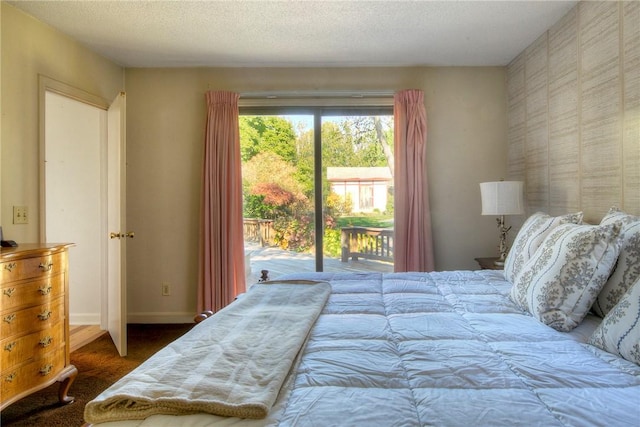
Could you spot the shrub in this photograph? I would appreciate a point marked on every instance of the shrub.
(332, 244)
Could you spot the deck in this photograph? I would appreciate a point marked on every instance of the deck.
(280, 262)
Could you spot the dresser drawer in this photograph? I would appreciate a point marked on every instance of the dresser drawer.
(31, 347)
(28, 268)
(32, 319)
(34, 326)
(32, 374)
(31, 292)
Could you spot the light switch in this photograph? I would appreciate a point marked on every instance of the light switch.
(20, 215)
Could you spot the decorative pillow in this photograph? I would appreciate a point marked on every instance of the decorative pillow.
(619, 332)
(627, 270)
(560, 282)
(533, 231)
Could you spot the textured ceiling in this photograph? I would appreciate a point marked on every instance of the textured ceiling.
(302, 33)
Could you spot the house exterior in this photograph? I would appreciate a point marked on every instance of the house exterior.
(366, 187)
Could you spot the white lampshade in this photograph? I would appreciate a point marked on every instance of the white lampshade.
(502, 198)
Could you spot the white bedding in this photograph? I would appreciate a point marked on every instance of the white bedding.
(444, 349)
(235, 365)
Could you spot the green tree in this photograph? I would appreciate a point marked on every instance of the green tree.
(304, 164)
(259, 134)
(249, 138)
(355, 141)
(337, 145)
(371, 141)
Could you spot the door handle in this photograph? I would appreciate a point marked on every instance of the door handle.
(129, 234)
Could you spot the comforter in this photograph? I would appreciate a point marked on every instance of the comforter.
(441, 349)
(235, 366)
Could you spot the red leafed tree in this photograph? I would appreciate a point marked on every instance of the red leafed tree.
(273, 194)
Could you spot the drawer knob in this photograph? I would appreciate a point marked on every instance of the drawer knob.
(9, 291)
(46, 370)
(10, 266)
(46, 341)
(9, 317)
(45, 267)
(9, 378)
(44, 290)
(45, 315)
(10, 346)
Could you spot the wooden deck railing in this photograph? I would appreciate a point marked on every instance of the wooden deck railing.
(259, 230)
(366, 242)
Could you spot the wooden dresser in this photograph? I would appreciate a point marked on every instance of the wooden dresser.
(34, 321)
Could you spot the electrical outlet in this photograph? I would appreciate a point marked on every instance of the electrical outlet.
(166, 289)
(20, 215)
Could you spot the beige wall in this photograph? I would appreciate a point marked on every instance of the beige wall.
(466, 115)
(466, 109)
(574, 112)
(30, 49)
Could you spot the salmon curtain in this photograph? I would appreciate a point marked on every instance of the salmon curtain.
(413, 244)
(221, 273)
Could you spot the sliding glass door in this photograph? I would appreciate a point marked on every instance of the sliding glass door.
(357, 180)
(318, 190)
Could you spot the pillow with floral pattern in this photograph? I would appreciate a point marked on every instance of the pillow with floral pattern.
(619, 332)
(560, 282)
(627, 269)
(531, 235)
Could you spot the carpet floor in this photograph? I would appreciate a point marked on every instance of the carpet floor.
(99, 366)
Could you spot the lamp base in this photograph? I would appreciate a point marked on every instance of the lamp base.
(502, 248)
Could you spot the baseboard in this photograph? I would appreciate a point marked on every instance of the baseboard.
(84, 318)
(170, 317)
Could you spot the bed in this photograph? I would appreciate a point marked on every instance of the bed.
(458, 348)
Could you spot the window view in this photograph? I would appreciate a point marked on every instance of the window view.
(284, 207)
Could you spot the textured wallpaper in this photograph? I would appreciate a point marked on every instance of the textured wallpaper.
(574, 113)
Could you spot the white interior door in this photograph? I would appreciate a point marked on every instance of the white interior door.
(116, 219)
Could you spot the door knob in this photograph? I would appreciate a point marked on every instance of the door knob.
(129, 234)
(114, 235)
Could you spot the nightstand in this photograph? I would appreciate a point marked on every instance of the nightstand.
(489, 263)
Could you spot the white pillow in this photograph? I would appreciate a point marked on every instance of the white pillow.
(627, 270)
(619, 332)
(531, 235)
(560, 282)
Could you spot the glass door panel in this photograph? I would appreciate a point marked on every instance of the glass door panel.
(357, 159)
(277, 154)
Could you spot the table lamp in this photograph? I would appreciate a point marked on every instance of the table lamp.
(502, 198)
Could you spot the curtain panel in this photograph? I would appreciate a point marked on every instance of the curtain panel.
(221, 267)
(412, 218)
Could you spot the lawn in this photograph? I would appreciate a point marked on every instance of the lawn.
(377, 221)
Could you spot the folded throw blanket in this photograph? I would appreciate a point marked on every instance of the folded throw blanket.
(232, 364)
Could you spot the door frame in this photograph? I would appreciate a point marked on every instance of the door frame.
(47, 84)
